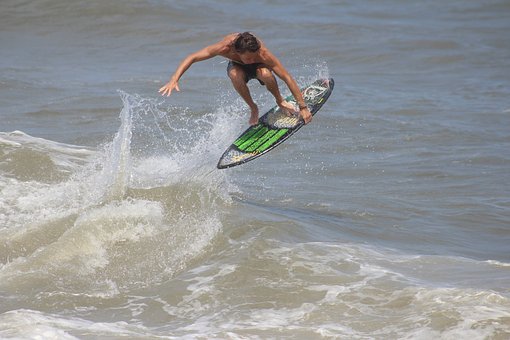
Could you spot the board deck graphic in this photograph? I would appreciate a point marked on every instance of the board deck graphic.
(274, 127)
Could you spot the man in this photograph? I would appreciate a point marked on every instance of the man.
(249, 59)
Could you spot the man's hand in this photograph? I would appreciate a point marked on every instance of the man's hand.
(306, 115)
(169, 87)
(290, 110)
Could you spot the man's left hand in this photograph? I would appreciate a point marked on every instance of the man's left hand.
(306, 115)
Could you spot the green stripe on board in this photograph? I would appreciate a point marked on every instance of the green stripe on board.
(246, 136)
(253, 138)
(273, 140)
(261, 140)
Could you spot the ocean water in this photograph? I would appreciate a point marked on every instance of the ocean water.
(388, 217)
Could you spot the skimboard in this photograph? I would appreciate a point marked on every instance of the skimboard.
(274, 127)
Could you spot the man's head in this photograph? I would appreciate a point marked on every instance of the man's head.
(246, 42)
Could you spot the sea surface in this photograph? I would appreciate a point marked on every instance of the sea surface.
(388, 217)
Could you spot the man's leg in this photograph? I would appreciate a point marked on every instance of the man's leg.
(267, 77)
(238, 78)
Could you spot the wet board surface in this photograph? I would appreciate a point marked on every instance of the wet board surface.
(274, 127)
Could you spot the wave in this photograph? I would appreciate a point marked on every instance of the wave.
(134, 211)
(324, 289)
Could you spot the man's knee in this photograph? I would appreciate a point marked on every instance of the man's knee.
(236, 74)
(264, 74)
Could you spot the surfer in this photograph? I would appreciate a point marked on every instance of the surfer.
(248, 58)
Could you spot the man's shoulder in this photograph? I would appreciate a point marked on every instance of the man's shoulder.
(224, 46)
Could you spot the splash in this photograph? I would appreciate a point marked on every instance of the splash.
(134, 212)
(116, 171)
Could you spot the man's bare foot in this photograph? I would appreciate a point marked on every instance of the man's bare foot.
(287, 108)
(254, 118)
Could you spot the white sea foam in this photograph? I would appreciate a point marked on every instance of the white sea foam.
(66, 157)
(326, 291)
(30, 324)
(84, 223)
(498, 263)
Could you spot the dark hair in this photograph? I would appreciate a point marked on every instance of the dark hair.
(246, 42)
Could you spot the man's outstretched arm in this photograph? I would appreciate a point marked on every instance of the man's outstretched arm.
(205, 53)
(282, 73)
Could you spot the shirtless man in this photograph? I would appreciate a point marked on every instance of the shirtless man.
(249, 59)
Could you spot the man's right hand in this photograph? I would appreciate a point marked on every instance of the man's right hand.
(169, 87)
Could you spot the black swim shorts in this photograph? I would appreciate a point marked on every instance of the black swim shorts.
(250, 70)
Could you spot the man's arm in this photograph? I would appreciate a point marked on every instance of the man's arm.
(205, 53)
(282, 73)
